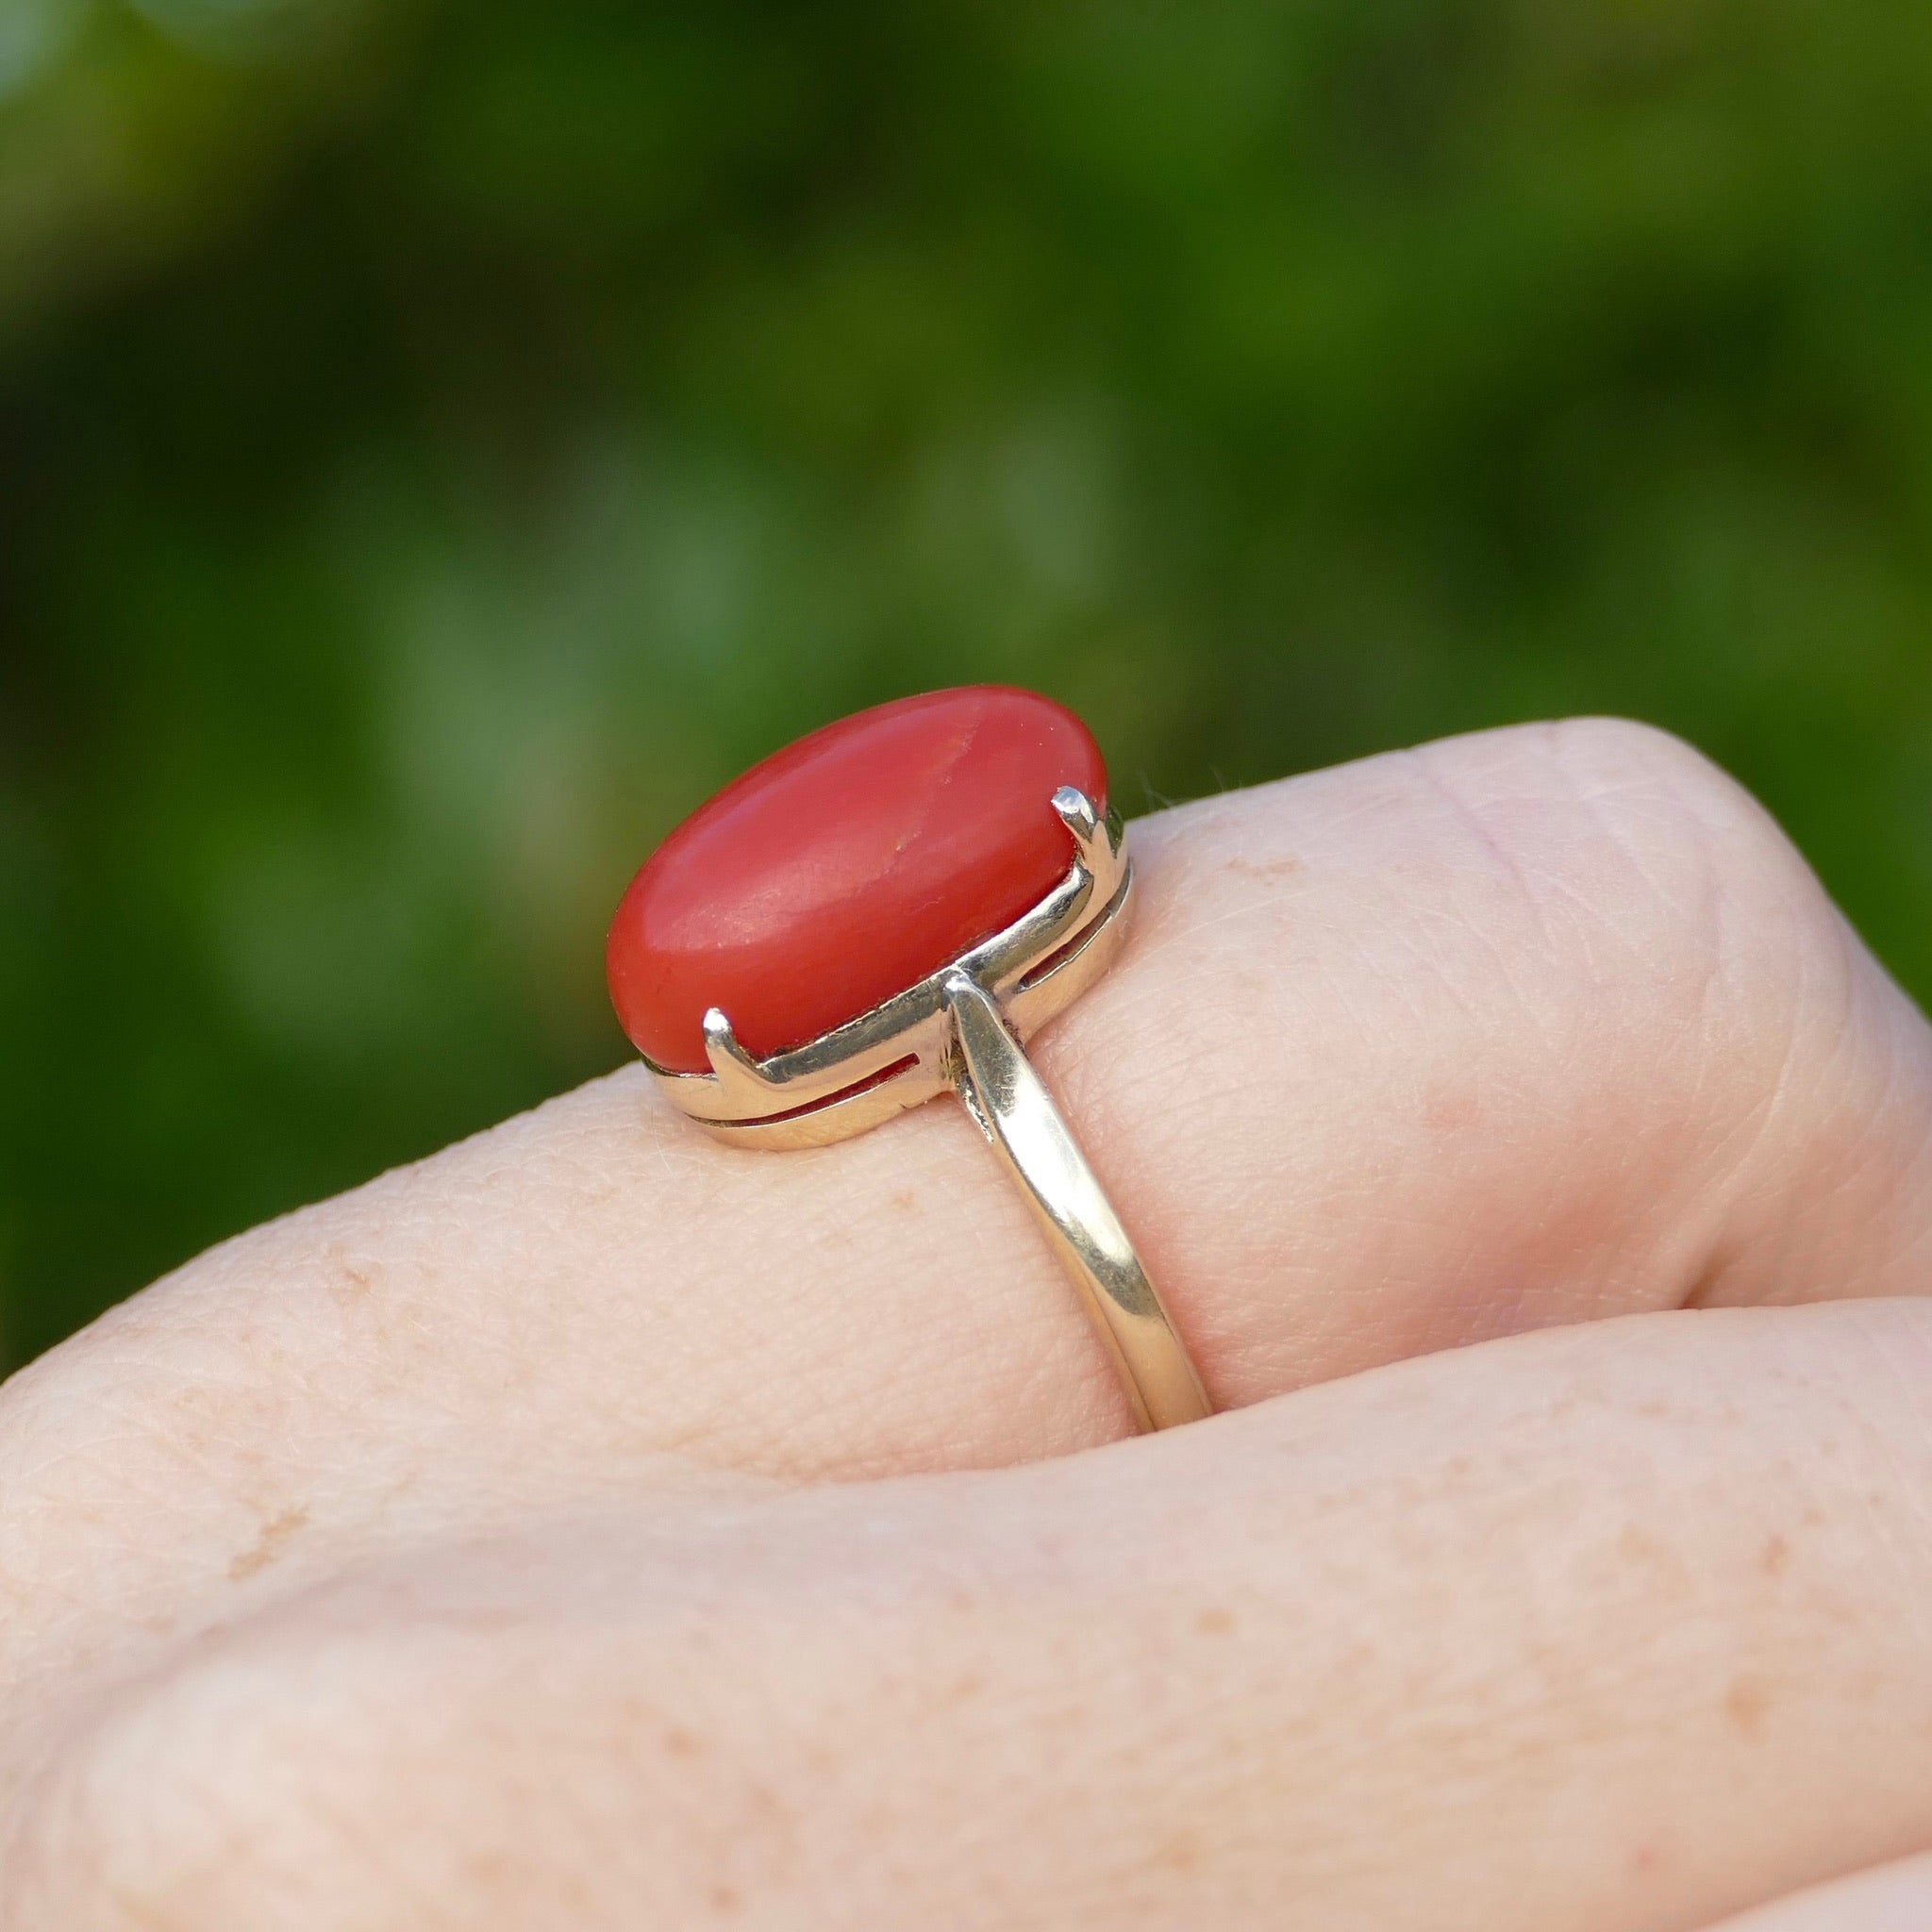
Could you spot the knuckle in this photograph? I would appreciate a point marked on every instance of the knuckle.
(1696, 968)
(1673, 793)
(1658, 842)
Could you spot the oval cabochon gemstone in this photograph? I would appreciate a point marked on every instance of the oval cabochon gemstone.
(846, 868)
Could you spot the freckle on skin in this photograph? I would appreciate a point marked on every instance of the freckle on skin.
(1180, 1853)
(1214, 1623)
(488, 1869)
(1641, 1550)
(1445, 1113)
(349, 1282)
(680, 1744)
(1746, 1702)
(270, 1544)
(1637, 1547)
(1777, 1555)
(725, 1898)
(1265, 870)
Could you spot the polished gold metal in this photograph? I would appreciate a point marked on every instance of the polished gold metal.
(960, 1030)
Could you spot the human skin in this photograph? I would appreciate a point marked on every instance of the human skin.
(593, 1526)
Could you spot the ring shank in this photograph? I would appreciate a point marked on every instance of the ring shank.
(1000, 1089)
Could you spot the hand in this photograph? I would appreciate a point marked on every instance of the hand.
(595, 1527)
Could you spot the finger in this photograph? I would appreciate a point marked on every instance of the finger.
(1894, 1898)
(1517, 1029)
(1616, 1629)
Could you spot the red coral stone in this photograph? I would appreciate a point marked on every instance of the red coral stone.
(846, 868)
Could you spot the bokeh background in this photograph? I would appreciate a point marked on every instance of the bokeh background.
(439, 443)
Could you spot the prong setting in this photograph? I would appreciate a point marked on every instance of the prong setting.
(852, 1078)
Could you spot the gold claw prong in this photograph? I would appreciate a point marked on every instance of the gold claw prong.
(1078, 814)
(737, 1072)
(1076, 809)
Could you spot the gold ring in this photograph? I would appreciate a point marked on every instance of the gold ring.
(885, 910)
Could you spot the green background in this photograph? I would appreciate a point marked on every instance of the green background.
(438, 443)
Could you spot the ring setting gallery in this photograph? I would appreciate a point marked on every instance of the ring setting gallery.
(950, 863)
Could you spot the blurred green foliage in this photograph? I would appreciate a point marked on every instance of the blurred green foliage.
(438, 443)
